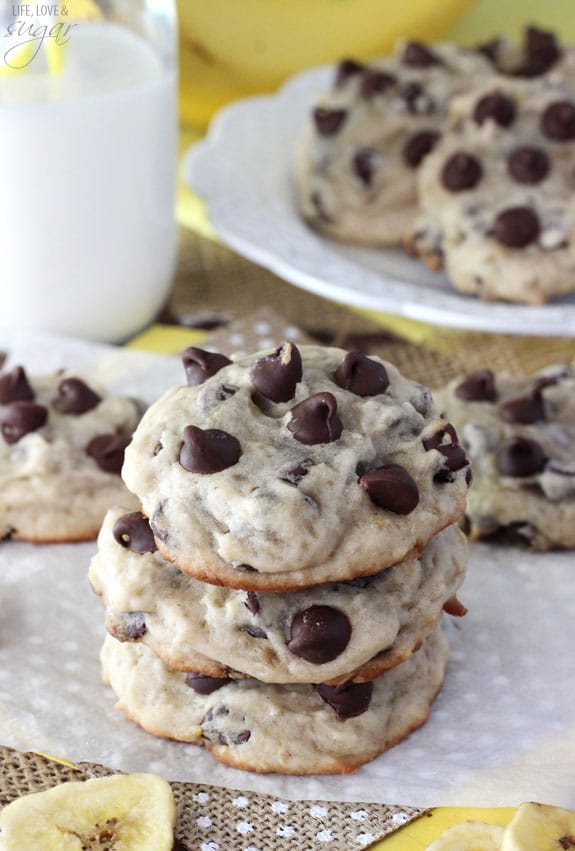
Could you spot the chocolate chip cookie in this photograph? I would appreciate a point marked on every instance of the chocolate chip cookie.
(291, 468)
(519, 433)
(296, 729)
(497, 193)
(323, 634)
(367, 138)
(62, 447)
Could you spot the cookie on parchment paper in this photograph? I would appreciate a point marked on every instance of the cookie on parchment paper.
(286, 469)
(519, 433)
(295, 729)
(62, 446)
(328, 633)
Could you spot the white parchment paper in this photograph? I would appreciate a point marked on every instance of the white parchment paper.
(501, 731)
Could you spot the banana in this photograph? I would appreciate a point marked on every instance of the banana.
(124, 812)
(541, 827)
(469, 836)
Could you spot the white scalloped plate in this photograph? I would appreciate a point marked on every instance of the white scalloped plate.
(242, 170)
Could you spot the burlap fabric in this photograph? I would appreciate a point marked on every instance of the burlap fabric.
(210, 818)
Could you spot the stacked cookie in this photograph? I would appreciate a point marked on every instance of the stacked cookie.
(278, 598)
(61, 451)
(464, 157)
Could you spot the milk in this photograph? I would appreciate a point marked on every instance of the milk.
(87, 179)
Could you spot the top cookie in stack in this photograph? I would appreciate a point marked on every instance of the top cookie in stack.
(295, 467)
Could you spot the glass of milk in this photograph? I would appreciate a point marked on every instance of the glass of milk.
(87, 165)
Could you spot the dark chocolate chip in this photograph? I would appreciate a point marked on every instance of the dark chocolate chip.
(348, 700)
(75, 397)
(346, 69)
(415, 99)
(375, 83)
(319, 634)
(558, 121)
(208, 451)
(418, 147)
(328, 121)
(541, 52)
(392, 488)
(520, 457)
(468, 476)
(246, 568)
(496, 106)
(202, 684)
(515, 534)
(524, 409)
(516, 227)
(252, 602)
(528, 165)
(461, 172)
(296, 474)
(132, 531)
(315, 420)
(15, 387)
(275, 376)
(20, 418)
(200, 365)
(364, 164)
(254, 631)
(453, 453)
(226, 391)
(361, 375)
(477, 387)
(490, 49)
(131, 626)
(418, 55)
(107, 450)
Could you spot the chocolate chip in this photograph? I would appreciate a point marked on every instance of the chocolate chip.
(558, 121)
(418, 55)
(541, 53)
(252, 602)
(226, 391)
(348, 700)
(202, 684)
(15, 387)
(315, 420)
(454, 607)
(528, 165)
(375, 83)
(461, 172)
(131, 626)
(246, 568)
(520, 457)
(275, 376)
(107, 450)
(208, 451)
(328, 121)
(453, 453)
(490, 49)
(477, 387)
(392, 488)
(418, 147)
(319, 634)
(254, 631)
(296, 474)
(200, 365)
(516, 227)
(20, 418)
(361, 375)
(524, 409)
(75, 397)
(497, 107)
(346, 69)
(415, 99)
(132, 531)
(364, 164)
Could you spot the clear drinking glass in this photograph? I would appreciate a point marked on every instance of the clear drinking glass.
(87, 165)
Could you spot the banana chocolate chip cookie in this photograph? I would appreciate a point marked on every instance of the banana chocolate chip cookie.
(322, 634)
(295, 729)
(497, 193)
(519, 433)
(61, 451)
(357, 166)
(291, 468)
